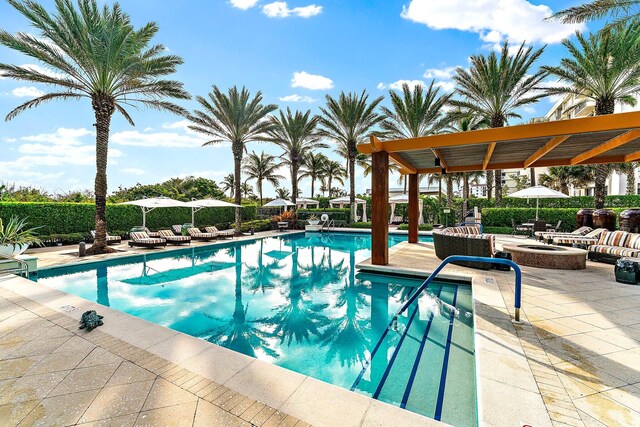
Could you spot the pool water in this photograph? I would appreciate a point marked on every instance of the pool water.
(297, 301)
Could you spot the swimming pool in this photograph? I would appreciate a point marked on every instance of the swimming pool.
(297, 301)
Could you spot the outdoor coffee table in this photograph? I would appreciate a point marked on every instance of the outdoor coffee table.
(548, 256)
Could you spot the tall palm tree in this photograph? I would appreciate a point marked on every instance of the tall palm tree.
(235, 117)
(604, 67)
(314, 168)
(561, 177)
(262, 167)
(629, 170)
(333, 171)
(495, 87)
(228, 184)
(297, 135)
(349, 120)
(623, 12)
(95, 53)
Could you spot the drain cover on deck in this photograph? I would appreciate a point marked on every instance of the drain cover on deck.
(68, 308)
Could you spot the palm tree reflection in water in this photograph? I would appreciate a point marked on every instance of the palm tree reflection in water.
(103, 284)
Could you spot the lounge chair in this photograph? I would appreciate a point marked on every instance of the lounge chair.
(196, 234)
(582, 231)
(590, 238)
(173, 239)
(142, 239)
(221, 233)
(111, 240)
(519, 229)
(556, 228)
(177, 229)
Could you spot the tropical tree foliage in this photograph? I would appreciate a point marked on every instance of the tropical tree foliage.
(228, 184)
(561, 177)
(283, 193)
(184, 189)
(622, 12)
(333, 171)
(629, 170)
(234, 117)
(348, 121)
(496, 86)
(94, 53)
(604, 67)
(314, 164)
(262, 167)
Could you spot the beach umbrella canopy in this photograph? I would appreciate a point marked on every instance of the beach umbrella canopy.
(196, 205)
(341, 201)
(278, 203)
(539, 192)
(303, 201)
(147, 205)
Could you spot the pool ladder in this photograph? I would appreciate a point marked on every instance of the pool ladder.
(328, 225)
(22, 268)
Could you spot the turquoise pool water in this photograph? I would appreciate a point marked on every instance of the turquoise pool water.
(297, 301)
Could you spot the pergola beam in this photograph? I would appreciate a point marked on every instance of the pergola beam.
(609, 145)
(438, 154)
(538, 164)
(402, 162)
(545, 149)
(632, 157)
(487, 157)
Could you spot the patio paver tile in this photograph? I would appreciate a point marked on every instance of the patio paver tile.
(60, 410)
(163, 393)
(13, 413)
(208, 414)
(83, 379)
(180, 415)
(118, 400)
(128, 373)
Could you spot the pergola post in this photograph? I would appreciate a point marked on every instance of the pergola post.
(380, 208)
(413, 208)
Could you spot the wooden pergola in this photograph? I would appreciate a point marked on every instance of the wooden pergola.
(613, 138)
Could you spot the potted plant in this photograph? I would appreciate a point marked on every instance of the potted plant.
(15, 238)
(313, 220)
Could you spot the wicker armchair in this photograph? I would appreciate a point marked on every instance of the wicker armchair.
(449, 243)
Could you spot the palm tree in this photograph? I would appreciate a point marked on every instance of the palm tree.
(496, 87)
(333, 171)
(246, 190)
(235, 117)
(561, 177)
(314, 168)
(262, 167)
(348, 121)
(297, 135)
(604, 67)
(629, 170)
(283, 193)
(228, 184)
(624, 12)
(96, 53)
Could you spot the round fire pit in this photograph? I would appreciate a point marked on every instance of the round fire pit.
(548, 256)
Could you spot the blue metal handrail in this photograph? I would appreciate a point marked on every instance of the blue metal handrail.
(458, 258)
(462, 224)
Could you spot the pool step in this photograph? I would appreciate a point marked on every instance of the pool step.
(409, 365)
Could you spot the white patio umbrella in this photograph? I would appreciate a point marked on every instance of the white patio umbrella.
(147, 205)
(278, 203)
(404, 199)
(196, 205)
(303, 202)
(341, 201)
(539, 192)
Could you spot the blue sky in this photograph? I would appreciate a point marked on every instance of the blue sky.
(295, 52)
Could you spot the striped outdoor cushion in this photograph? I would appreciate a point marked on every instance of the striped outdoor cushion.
(139, 235)
(215, 230)
(194, 232)
(168, 234)
(613, 238)
(575, 240)
(615, 250)
(177, 229)
(633, 241)
(583, 230)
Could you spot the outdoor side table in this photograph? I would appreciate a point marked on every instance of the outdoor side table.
(627, 270)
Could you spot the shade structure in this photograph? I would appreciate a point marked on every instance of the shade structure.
(147, 205)
(341, 201)
(304, 202)
(539, 192)
(278, 203)
(196, 205)
(404, 199)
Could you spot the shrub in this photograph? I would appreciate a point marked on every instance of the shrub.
(257, 225)
(501, 217)
(361, 225)
(421, 227)
(65, 218)
(335, 214)
(498, 230)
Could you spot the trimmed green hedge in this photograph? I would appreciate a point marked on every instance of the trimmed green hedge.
(336, 214)
(66, 218)
(501, 217)
(498, 230)
(361, 225)
(257, 225)
(421, 227)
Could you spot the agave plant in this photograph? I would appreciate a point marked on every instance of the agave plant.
(16, 234)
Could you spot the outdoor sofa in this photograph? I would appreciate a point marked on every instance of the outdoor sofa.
(111, 240)
(464, 240)
(173, 239)
(224, 233)
(142, 239)
(613, 245)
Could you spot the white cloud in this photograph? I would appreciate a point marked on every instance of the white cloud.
(27, 92)
(397, 85)
(134, 171)
(280, 9)
(493, 20)
(296, 98)
(447, 86)
(158, 139)
(42, 70)
(243, 4)
(311, 81)
(445, 73)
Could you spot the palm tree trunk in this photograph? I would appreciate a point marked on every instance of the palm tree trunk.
(260, 190)
(103, 109)
(631, 181)
(532, 176)
(600, 191)
(313, 185)
(352, 186)
(329, 180)
(465, 188)
(237, 171)
(498, 186)
(489, 182)
(449, 180)
(294, 184)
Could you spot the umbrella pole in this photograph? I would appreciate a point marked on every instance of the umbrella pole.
(193, 216)
(144, 217)
(537, 202)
